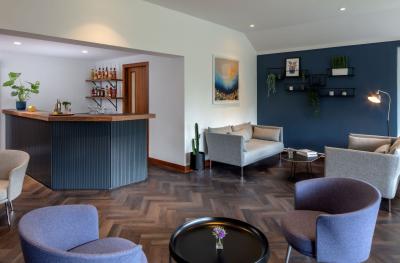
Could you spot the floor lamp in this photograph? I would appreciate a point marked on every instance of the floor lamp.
(376, 98)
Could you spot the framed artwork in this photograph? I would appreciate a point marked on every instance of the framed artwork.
(293, 67)
(225, 80)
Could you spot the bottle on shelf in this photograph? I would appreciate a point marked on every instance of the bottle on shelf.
(94, 92)
(115, 73)
(99, 76)
(106, 76)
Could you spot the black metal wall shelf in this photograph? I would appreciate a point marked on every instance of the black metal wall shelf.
(297, 87)
(337, 92)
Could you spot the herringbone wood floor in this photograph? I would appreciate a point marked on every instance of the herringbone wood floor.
(147, 213)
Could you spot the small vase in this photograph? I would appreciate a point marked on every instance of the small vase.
(219, 244)
(20, 105)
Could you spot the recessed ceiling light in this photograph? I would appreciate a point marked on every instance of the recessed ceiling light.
(85, 51)
(17, 43)
(342, 9)
(252, 25)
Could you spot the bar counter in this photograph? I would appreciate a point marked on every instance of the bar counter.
(81, 151)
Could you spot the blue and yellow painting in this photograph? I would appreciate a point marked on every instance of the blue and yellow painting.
(226, 80)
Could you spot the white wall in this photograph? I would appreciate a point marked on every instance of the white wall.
(166, 97)
(141, 25)
(60, 78)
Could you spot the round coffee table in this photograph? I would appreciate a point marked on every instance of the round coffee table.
(193, 242)
(297, 158)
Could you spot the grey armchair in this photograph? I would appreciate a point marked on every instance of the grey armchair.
(70, 234)
(13, 166)
(379, 169)
(334, 220)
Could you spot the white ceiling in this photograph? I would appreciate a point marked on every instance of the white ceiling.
(58, 49)
(283, 25)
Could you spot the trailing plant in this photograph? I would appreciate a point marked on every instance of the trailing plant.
(20, 91)
(313, 98)
(196, 140)
(339, 62)
(271, 84)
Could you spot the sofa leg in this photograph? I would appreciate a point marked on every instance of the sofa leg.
(241, 174)
(11, 206)
(390, 206)
(210, 164)
(289, 250)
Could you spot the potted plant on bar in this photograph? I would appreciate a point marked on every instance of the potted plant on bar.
(20, 91)
(196, 157)
(339, 66)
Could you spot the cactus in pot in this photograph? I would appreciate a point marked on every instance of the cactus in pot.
(196, 157)
(196, 140)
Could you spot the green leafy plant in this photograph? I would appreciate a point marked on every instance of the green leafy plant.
(313, 98)
(339, 62)
(271, 84)
(20, 91)
(196, 140)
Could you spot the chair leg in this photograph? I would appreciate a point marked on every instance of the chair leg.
(289, 250)
(390, 206)
(8, 214)
(210, 164)
(11, 206)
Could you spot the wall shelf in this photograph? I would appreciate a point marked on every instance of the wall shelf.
(99, 100)
(337, 92)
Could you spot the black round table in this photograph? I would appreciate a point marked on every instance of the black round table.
(193, 242)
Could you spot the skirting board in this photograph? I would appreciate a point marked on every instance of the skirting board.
(173, 166)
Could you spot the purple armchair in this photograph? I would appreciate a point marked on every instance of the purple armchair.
(70, 234)
(334, 220)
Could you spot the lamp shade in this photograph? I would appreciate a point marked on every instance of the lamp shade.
(374, 97)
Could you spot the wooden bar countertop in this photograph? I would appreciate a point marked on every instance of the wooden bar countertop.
(45, 116)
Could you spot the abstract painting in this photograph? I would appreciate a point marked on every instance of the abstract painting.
(292, 67)
(225, 80)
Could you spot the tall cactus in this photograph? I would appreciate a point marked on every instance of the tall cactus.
(196, 140)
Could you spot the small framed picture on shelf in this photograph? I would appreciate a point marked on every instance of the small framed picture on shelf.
(293, 67)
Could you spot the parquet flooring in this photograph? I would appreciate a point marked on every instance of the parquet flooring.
(147, 213)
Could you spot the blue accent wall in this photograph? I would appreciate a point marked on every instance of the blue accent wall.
(375, 68)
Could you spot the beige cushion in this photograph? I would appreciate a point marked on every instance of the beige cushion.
(223, 130)
(383, 149)
(244, 133)
(366, 144)
(3, 189)
(244, 126)
(395, 146)
(268, 134)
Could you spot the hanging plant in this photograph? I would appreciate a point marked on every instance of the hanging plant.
(271, 84)
(313, 98)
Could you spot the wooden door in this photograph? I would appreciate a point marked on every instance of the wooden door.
(136, 88)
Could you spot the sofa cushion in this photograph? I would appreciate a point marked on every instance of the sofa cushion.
(244, 126)
(260, 149)
(244, 133)
(269, 134)
(366, 143)
(299, 228)
(383, 149)
(223, 130)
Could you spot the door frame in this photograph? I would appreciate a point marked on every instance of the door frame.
(127, 102)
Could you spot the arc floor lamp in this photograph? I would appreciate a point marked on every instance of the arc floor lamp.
(376, 98)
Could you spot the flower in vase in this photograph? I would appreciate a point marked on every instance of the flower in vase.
(219, 232)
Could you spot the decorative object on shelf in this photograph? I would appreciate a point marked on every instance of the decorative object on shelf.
(375, 97)
(313, 98)
(32, 108)
(339, 66)
(292, 67)
(57, 108)
(271, 84)
(197, 158)
(331, 93)
(225, 80)
(20, 91)
(219, 233)
(67, 106)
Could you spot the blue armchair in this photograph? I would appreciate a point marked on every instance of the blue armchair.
(69, 234)
(334, 220)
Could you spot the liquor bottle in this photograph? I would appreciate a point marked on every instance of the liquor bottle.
(94, 93)
(99, 76)
(95, 74)
(115, 73)
(106, 73)
(103, 73)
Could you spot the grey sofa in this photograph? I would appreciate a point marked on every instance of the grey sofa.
(226, 146)
(382, 170)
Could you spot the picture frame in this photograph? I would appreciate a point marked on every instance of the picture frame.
(292, 67)
(225, 84)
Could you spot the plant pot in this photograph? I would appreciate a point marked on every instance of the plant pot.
(340, 71)
(20, 105)
(197, 161)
